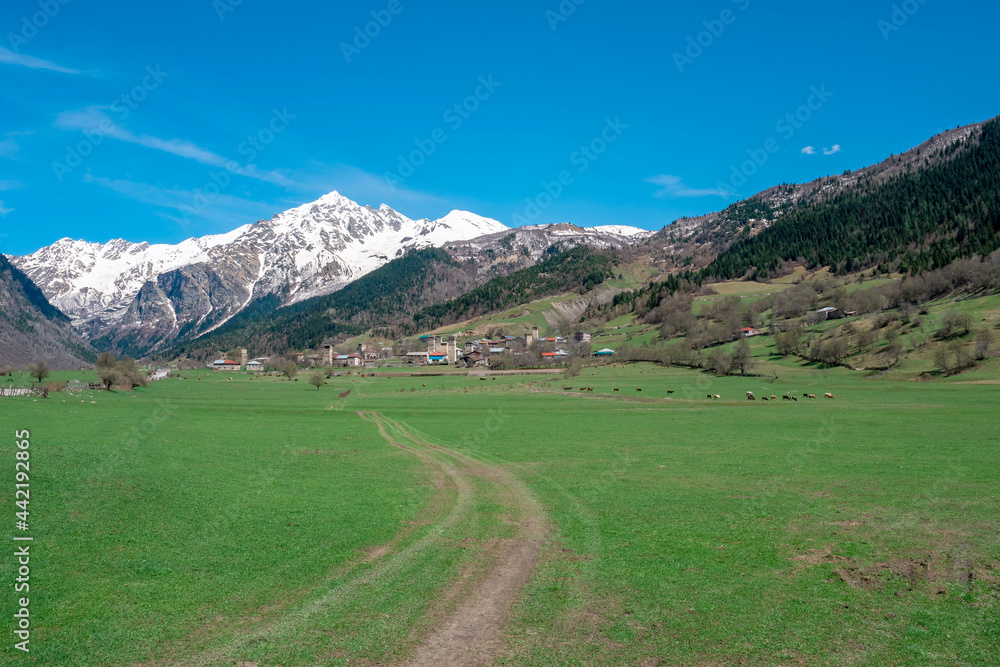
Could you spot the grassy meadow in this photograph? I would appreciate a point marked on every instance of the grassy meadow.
(211, 520)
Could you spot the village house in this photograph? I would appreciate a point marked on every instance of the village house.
(254, 365)
(746, 332)
(829, 313)
(581, 337)
(416, 357)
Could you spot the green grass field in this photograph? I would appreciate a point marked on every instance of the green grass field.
(211, 521)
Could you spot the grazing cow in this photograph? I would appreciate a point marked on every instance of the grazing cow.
(567, 388)
(763, 398)
(583, 389)
(828, 395)
(482, 379)
(717, 397)
(670, 391)
(773, 397)
(616, 388)
(590, 389)
(423, 385)
(709, 397)
(795, 399)
(750, 396)
(786, 397)
(638, 388)
(812, 395)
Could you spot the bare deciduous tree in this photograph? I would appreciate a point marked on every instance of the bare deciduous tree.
(39, 370)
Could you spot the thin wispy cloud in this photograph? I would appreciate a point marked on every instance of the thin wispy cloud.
(674, 186)
(9, 184)
(9, 148)
(809, 150)
(222, 211)
(10, 58)
(95, 120)
(3, 210)
(831, 151)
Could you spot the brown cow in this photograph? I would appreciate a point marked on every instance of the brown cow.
(717, 397)
(828, 395)
(709, 396)
(812, 395)
(638, 388)
(750, 396)
(773, 397)
(670, 391)
(763, 398)
(616, 388)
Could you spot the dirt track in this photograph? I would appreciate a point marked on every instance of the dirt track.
(467, 625)
(471, 634)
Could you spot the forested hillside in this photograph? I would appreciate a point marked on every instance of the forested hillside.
(913, 221)
(383, 299)
(579, 269)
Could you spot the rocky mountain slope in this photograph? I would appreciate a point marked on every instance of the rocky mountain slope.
(501, 253)
(32, 330)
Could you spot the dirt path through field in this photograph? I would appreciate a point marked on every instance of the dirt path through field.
(471, 634)
(468, 629)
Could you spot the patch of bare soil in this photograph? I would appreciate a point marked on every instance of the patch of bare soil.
(930, 571)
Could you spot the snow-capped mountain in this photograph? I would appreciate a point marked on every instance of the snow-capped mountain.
(137, 297)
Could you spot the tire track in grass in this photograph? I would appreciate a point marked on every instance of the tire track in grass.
(471, 634)
(389, 566)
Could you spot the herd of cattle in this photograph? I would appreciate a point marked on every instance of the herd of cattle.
(785, 397)
(750, 395)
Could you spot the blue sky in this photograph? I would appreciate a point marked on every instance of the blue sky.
(161, 121)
